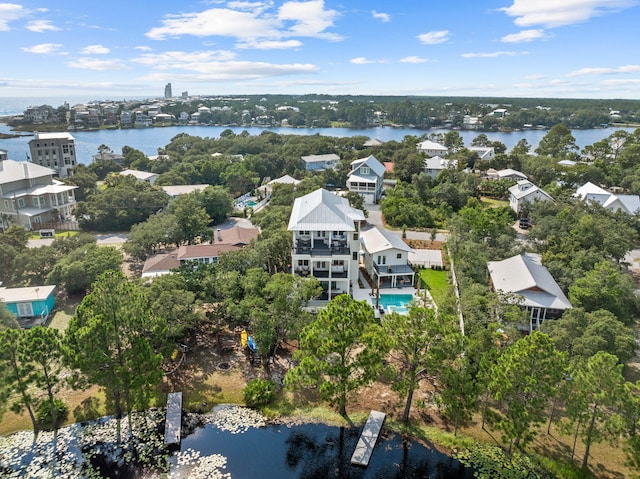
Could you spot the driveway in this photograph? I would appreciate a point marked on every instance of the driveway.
(375, 219)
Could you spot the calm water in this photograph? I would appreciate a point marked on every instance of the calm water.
(313, 451)
(148, 140)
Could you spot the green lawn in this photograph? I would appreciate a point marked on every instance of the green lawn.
(436, 282)
(58, 234)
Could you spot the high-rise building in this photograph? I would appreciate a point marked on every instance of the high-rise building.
(167, 91)
(54, 150)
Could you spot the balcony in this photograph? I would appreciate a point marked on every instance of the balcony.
(321, 248)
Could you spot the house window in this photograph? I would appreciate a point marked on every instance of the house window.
(354, 256)
(355, 236)
(399, 256)
(25, 309)
(382, 259)
(21, 202)
(303, 262)
(6, 204)
(365, 170)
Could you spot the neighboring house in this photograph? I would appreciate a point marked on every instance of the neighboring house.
(629, 204)
(141, 175)
(267, 189)
(506, 174)
(366, 178)
(126, 119)
(224, 240)
(326, 241)
(567, 163)
(532, 286)
(321, 162)
(4, 155)
(54, 150)
(108, 156)
(386, 258)
(177, 190)
(485, 153)
(372, 142)
(525, 192)
(471, 122)
(31, 197)
(431, 148)
(434, 166)
(142, 120)
(30, 305)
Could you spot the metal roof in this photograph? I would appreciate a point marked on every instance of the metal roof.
(375, 240)
(322, 210)
(525, 275)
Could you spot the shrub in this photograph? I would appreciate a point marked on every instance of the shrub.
(43, 413)
(259, 392)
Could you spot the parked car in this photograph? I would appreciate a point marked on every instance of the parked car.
(524, 223)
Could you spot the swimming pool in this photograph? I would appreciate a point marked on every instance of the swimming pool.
(397, 303)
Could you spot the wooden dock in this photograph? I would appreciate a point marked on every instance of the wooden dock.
(368, 438)
(173, 421)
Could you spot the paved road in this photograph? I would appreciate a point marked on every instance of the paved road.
(375, 218)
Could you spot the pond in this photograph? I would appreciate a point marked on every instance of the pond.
(230, 442)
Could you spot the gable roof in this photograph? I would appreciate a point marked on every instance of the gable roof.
(372, 142)
(432, 145)
(236, 235)
(590, 192)
(439, 163)
(195, 251)
(321, 158)
(160, 264)
(321, 210)
(375, 240)
(370, 161)
(176, 190)
(139, 175)
(11, 170)
(510, 172)
(286, 179)
(525, 188)
(525, 275)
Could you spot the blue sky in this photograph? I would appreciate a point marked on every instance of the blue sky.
(518, 48)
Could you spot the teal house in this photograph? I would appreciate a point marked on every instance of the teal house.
(31, 305)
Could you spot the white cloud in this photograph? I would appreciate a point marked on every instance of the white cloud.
(86, 63)
(270, 44)
(252, 22)
(310, 19)
(234, 71)
(364, 61)
(523, 36)
(10, 12)
(384, 17)
(95, 50)
(535, 77)
(556, 13)
(493, 54)
(182, 60)
(435, 37)
(622, 82)
(413, 59)
(144, 48)
(43, 48)
(605, 71)
(42, 26)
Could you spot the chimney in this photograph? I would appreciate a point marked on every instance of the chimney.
(219, 235)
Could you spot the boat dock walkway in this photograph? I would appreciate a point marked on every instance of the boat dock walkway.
(173, 422)
(368, 438)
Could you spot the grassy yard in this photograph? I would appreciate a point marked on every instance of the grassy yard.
(493, 203)
(58, 234)
(436, 282)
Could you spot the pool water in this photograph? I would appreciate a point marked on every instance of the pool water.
(401, 300)
(251, 203)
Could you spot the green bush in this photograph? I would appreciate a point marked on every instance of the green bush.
(259, 392)
(43, 413)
